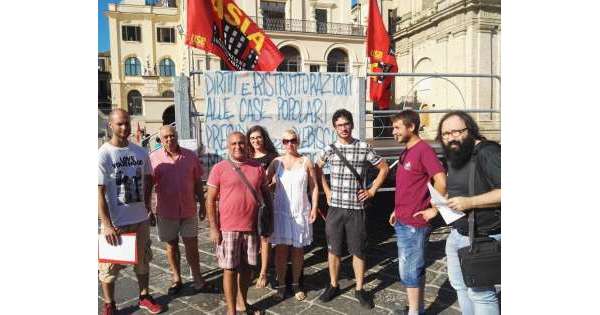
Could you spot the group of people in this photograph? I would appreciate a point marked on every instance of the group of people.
(255, 178)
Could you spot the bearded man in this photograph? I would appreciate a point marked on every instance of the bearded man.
(463, 144)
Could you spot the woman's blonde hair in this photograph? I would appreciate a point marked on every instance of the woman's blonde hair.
(293, 133)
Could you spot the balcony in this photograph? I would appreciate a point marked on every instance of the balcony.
(304, 26)
(162, 3)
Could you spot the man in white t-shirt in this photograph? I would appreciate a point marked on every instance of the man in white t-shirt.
(124, 188)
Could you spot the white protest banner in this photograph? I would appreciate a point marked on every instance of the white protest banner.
(305, 102)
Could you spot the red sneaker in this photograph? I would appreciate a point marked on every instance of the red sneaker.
(109, 309)
(147, 302)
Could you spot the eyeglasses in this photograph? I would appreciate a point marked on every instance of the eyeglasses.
(348, 124)
(289, 141)
(454, 133)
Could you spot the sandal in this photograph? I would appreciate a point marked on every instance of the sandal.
(261, 282)
(205, 288)
(298, 294)
(250, 310)
(175, 288)
(280, 293)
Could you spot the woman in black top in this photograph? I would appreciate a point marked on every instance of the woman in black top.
(262, 150)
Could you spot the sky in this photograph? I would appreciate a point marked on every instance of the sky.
(103, 42)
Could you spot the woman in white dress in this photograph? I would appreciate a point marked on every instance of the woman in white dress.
(292, 211)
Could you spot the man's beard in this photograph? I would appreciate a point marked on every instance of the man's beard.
(458, 157)
(403, 139)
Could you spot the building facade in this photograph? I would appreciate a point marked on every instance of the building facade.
(451, 36)
(444, 36)
(146, 53)
(313, 35)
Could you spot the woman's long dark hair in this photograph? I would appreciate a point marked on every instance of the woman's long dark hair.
(469, 122)
(268, 144)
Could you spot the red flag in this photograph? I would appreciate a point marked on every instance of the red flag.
(222, 28)
(381, 58)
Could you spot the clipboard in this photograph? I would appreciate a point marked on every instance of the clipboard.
(123, 254)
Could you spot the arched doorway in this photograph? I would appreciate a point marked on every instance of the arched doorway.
(134, 103)
(168, 116)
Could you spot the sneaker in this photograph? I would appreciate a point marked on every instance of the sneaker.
(329, 293)
(147, 303)
(109, 309)
(364, 300)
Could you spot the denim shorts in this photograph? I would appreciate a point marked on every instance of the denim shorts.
(411, 242)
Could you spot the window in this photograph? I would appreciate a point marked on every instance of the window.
(315, 68)
(166, 68)
(321, 17)
(165, 35)
(273, 15)
(101, 65)
(337, 61)
(105, 108)
(392, 21)
(162, 3)
(224, 66)
(134, 102)
(291, 60)
(132, 67)
(131, 33)
(168, 93)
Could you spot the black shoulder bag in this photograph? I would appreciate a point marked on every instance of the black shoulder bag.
(353, 170)
(265, 213)
(480, 261)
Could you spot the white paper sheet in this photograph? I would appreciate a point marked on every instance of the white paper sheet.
(441, 203)
(124, 253)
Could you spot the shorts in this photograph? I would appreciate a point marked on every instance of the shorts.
(348, 224)
(411, 242)
(170, 229)
(108, 272)
(237, 247)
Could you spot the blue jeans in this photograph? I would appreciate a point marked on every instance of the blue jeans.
(472, 301)
(411, 243)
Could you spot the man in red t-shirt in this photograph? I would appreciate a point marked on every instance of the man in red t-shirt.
(417, 165)
(233, 229)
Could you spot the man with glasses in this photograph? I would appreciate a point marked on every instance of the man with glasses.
(463, 144)
(417, 165)
(346, 199)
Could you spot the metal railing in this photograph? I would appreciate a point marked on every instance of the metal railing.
(379, 116)
(161, 3)
(305, 26)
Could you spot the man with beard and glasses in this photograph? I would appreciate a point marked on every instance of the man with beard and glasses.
(417, 165)
(461, 141)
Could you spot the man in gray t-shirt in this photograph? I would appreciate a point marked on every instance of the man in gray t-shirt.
(124, 188)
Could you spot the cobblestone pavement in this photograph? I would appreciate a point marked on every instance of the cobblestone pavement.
(381, 278)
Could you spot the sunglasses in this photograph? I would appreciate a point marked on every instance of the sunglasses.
(290, 141)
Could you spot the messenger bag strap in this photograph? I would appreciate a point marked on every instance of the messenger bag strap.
(348, 165)
(472, 164)
(245, 180)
